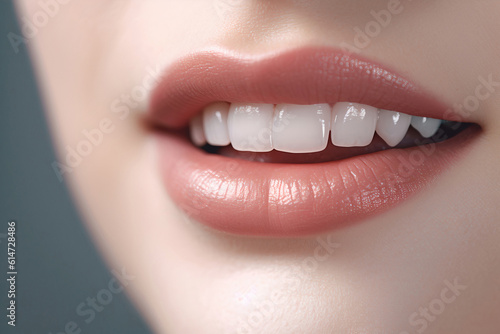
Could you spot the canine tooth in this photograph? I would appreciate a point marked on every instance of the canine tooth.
(301, 128)
(425, 125)
(250, 126)
(196, 131)
(215, 123)
(353, 124)
(392, 126)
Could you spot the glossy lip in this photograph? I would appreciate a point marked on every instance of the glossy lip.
(300, 76)
(267, 199)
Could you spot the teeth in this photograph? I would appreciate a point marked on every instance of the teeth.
(392, 126)
(250, 126)
(425, 125)
(258, 127)
(215, 124)
(196, 131)
(301, 129)
(353, 124)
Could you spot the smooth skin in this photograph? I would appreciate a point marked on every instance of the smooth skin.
(389, 274)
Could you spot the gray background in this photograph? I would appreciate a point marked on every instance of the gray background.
(58, 267)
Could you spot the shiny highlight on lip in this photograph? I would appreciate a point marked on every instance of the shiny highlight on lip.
(270, 199)
(303, 76)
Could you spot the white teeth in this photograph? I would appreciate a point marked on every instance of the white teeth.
(215, 124)
(250, 126)
(353, 124)
(196, 131)
(425, 125)
(259, 127)
(392, 126)
(301, 129)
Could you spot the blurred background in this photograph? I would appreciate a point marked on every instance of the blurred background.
(58, 267)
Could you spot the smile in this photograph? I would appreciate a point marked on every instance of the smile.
(302, 129)
(297, 142)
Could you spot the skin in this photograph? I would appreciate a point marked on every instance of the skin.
(189, 279)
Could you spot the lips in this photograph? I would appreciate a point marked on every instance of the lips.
(287, 199)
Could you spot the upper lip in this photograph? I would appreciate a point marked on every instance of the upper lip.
(306, 75)
(245, 197)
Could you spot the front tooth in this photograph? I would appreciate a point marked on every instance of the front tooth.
(215, 123)
(392, 126)
(353, 124)
(250, 126)
(196, 131)
(300, 128)
(425, 125)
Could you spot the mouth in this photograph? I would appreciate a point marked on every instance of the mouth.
(297, 142)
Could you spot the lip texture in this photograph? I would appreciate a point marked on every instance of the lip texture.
(299, 76)
(269, 199)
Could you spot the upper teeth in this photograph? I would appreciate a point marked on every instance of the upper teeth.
(259, 127)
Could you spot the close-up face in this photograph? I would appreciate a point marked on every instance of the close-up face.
(284, 166)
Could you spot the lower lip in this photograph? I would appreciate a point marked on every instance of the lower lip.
(281, 200)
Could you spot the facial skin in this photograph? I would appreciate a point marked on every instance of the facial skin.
(388, 274)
